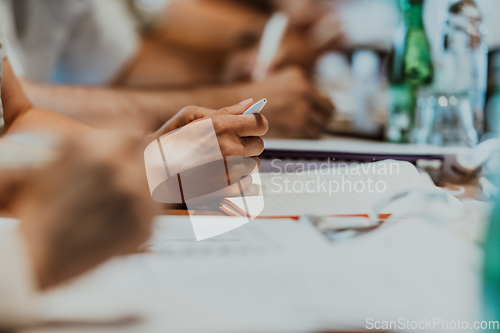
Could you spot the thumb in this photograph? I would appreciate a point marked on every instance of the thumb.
(238, 109)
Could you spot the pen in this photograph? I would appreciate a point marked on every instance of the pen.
(270, 43)
(256, 108)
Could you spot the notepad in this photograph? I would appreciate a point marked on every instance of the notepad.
(345, 189)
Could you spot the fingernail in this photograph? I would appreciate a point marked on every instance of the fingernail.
(246, 101)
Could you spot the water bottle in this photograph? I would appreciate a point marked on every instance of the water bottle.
(463, 58)
(410, 69)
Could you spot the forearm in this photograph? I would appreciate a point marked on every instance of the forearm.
(102, 107)
(162, 65)
(21, 117)
(211, 27)
(45, 122)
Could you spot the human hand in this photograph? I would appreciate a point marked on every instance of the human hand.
(221, 26)
(184, 117)
(328, 33)
(193, 153)
(302, 13)
(296, 50)
(91, 204)
(295, 108)
(237, 134)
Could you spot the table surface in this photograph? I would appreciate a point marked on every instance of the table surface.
(472, 191)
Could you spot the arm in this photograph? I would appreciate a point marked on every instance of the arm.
(159, 64)
(191, 43)
(295, 109)
(20, 116)
(211, 27)
(100, 107)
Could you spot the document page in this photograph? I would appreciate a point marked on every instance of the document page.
(315, 290)
(346, 189)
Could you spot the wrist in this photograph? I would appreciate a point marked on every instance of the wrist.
(150, 137)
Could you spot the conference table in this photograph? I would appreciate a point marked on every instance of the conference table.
(472, 191)
(128, 324)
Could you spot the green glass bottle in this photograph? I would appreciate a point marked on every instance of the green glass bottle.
(409, 69)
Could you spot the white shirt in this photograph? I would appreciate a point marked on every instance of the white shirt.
(72, 41)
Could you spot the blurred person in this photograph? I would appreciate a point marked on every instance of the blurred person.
(315, 26)
(208, 27)
(93, 43)
(237, 135)
(246, 19)
(94, 197)
(335, 24)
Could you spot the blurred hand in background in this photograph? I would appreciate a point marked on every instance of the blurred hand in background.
(303, 14)
(297, 50)
(233, 28)
(210, 27)
(191, 34)
(295, 109)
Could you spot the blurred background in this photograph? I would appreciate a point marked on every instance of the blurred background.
(399, 70)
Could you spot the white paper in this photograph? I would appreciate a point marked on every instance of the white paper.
(346, 201)
(411, 270)
(174, 236)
